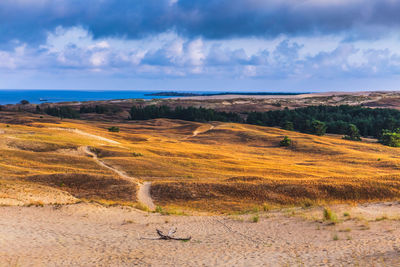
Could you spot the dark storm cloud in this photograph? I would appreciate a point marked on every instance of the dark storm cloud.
(29, 20)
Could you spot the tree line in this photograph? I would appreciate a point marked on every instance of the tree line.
(182, 113)
(350, 121)
(337, 119)
(71, 113)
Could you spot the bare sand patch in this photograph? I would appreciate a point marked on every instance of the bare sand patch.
(92, 235)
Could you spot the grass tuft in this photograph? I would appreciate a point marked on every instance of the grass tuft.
(335, 237)
(159, 209)
(330, 215)
(255, 218)
(141, 206)
(382, 218)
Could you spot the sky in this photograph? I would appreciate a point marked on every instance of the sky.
(222, 45)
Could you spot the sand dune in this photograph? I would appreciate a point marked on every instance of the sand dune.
(92, 235)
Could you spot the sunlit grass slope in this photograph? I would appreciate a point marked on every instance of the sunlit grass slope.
(205, 166)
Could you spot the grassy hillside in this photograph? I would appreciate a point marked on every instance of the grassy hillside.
(215, 167)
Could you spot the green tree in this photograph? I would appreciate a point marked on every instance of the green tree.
(318, 127)
(288, 125)
(389, 138)
(286, 141)
(352, 133)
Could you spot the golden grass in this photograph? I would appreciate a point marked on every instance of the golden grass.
(92, 187)
(233, 167)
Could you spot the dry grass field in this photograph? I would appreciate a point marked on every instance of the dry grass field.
(213, 167)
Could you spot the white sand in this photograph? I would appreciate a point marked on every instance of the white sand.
(92, 235)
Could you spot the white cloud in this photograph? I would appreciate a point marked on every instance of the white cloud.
(168, 55)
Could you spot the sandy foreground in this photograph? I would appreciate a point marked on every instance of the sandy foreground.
(93, 235)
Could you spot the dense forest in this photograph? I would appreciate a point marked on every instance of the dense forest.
(337, 119)
(189, 114)
(71, 113)
(62, 112)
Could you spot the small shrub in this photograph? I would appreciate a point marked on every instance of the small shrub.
(329, 215)
(159, 209)
(24, 102)
(113, 129)
(335, 237)
(267, 207)
(36, 204)
(141, 206)
(346, 214)
(306, 204)
(382, 218)
(255, 218)
(135, 154)
(286, 141)
(255, 209)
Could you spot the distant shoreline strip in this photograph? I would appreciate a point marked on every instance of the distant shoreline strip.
(225, 93)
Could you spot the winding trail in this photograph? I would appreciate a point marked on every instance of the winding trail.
(198, 131)
(143, 193)
(93, 136)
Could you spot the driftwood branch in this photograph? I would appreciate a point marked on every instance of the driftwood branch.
(162, 236)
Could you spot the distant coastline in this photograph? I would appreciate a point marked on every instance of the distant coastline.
(56, 96)
(175, 94)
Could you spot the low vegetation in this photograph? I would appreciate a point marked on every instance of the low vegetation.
(62, 112)
(226, 167)
(255, 218)
(330, 215)
(189, 114)
(336, 119)
(113, 129)
(389, 138)
(351, 121)
(286, 141)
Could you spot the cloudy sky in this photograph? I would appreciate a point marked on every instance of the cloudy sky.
(238, 45)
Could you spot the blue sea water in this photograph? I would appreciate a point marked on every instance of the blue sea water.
(53, 96)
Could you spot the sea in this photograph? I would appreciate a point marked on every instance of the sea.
(54, 96)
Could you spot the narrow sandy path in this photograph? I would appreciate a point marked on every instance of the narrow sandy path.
(93, 136)
(143, 193)
(200, 131)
